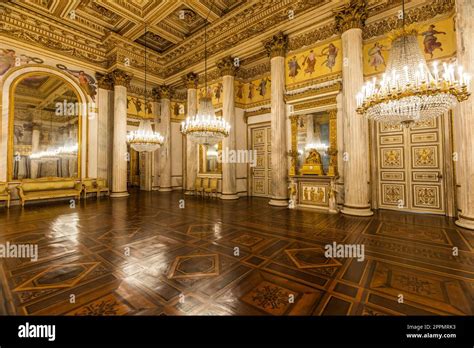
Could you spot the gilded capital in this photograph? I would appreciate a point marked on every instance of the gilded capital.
(227, 66)
(121, 78)
(350, 16)
(191, 80)
(164, 92)
(104, 81)
(277, 46)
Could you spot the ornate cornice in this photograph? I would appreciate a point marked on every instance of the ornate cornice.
(312, 37)
(352, 15)
(315, 103)
(121, 78)
(260, 111)
(312, 92)
(41, 31)
(277, 45)
(104, 81)
(227, 66)
(254, 71)
(191, 80)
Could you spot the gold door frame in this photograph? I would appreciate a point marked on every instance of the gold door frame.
(11, 114)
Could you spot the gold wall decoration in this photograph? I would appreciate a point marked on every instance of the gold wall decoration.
(294, 145)
(315, 103)
(415, 15)
(314, 63)
(437, 40)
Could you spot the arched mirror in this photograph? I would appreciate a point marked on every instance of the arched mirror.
(209, 162)
(45, 128)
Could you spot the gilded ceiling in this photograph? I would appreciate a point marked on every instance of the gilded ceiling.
(109, 34)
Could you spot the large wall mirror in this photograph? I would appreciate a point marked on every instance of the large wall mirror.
(209, 159)
(316, 143)
(45, 128)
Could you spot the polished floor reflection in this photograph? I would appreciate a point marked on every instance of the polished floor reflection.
(144, 255)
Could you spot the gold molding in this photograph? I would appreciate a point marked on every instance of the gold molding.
(315, 103)
(11, 113)
(313, 92)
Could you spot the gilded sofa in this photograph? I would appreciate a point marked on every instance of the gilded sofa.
(5, 193)
(30, 190)
(94, 186)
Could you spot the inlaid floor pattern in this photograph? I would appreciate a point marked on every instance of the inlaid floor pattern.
(144, 255)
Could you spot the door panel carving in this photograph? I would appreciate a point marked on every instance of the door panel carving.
(410, 167)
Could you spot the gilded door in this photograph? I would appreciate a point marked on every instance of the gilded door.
(261, 173)
(411, 167)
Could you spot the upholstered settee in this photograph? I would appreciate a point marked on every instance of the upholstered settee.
(97, 186)
(5, 193)
(30, 190)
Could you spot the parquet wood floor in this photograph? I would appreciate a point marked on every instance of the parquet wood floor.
(144, 255)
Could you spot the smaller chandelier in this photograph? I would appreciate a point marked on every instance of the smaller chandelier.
(145, 139)
(205, 128)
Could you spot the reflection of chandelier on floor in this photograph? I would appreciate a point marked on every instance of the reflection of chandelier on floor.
(145, 139)
(409, 91)
(205, 128)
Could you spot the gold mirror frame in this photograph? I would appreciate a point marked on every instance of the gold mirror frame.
(11, 115)
(293, 153)
(202, 160)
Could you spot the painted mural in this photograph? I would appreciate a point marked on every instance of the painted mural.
(437, 41)
(315, 62)
(178, 110)
(9, 58)
(86, 81)
(136, 107)
(214, 91)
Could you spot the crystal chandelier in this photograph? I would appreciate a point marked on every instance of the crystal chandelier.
(205, 128)
(145, 139)
(408, 91)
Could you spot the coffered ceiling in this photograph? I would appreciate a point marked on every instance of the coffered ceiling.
(169, 22)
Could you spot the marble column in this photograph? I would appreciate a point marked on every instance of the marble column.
(165, 130)
(463, 116)
(350, 20)
(120, 155)
(191, 80)
(227, 70)
(104, 113)
(156, 155)
(276, 48)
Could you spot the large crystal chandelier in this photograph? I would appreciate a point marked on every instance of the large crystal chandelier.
(205, 128)
(408, 91)
(145, 139)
